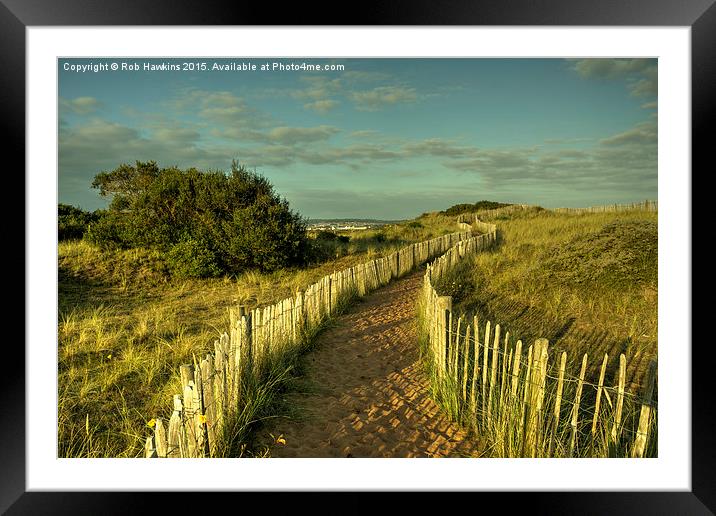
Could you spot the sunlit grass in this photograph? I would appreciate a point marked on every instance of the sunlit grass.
(125, 326)
(555, 276)
(564, 277)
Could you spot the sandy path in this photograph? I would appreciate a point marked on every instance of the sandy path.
(367, 395)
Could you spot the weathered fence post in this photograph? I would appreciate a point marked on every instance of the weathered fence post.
(485, 354)
(493, 372)
(506, 363)
(642, 433)
(475, 368)
(557, 403)
(536, 396)
(575, 408)
(600, 387)
(207, 373)
(616, 429)
(175, 446)
(444, 305)
(522, 427)
(465, 362)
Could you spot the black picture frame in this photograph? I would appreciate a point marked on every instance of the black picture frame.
(17, 15)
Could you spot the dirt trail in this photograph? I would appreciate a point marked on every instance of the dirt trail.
(368, 396)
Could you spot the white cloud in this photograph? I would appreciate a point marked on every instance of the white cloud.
(322, 106)
(625, 161)
(642, 133)
(88, 148)
(293, 135)
(220, 108)
(641, 74)
(322, 93)
(376, 98)
(79, 105)
(612, 68)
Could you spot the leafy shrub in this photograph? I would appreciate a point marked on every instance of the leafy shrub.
(321, 250)
(192, 259)
(458, 209)
(380, 237)
(415, 224)
(206, 222)
(72, 223)
(112, 231)
(264, 235)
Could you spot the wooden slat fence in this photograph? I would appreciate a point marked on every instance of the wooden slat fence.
(483, 215)
(500, 391)
(524, 402)
(211, 387)
(469, 218)
(607, 208)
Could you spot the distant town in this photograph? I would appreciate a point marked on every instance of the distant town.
(346, 224)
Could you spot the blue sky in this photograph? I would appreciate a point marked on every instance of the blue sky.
(381, 138)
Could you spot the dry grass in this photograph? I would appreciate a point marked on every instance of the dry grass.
(125, 327)
(587, 283)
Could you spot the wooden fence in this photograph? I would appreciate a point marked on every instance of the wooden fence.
(472, 218)
(211, 387)
(488, 382)
(524, 404)
(606, 208)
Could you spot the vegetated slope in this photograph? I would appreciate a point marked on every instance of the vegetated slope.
(125, 325)
(621, 253)
(588, 283)
(458, 209)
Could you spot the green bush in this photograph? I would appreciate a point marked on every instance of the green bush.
(192, 259)
(321, 250)
(458, 209)
(380, 238)
(72, 223)
(264, 235)
(207, 223)
(112, 231)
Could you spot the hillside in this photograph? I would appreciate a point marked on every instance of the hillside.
(587, 283)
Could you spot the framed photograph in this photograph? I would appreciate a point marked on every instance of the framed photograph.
(448, 201)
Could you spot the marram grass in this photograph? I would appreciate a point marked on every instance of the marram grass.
(125, 327)
(588, 284)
